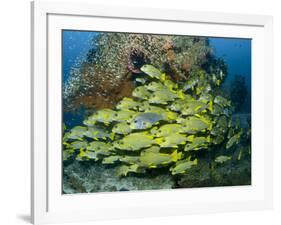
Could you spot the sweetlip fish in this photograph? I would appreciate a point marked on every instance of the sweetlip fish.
(179, 104)
(104, 116)
(192, 125)
(155, 86)
(222, 159)
(127, 104)
(121, 128)
(221, 101)
(76, 133)
(190, 84)
(189, 106)
(141, 92)
(123, 115)
(182, 166)
(125, 169)
(233, 140)
(86, 155)
(78, 145)
(143, 106)
(101, 148)
(194, 107)
(167, 130)
(171, 141)
(111, 159)
(162, 96)
(130, 159)
(152, 159)
(197, 143)
(153, 72)
(134, 141)
(145, 120)
(166, 114)
(95, 150)
(97, 133)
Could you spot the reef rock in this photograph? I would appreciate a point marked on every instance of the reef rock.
(86, 177)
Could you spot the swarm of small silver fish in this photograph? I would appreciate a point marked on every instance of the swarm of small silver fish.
(164, 124)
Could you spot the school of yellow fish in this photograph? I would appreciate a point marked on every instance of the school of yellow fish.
(164, 124)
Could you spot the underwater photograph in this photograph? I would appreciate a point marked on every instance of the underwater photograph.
(152, 111)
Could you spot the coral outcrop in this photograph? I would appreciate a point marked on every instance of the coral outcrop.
(108, 74)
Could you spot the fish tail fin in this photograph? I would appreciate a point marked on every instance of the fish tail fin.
(163, 77)
(111, 136)
(195, 161)
(190, 138)
(158, 140)
(175, 156)
(181, 94)
(210, 107)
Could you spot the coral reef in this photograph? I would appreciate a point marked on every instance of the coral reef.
(181, 128)
(108, 73)
(87, 177)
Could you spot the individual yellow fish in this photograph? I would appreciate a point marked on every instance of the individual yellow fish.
(183, 166)
(121, 128)
(127, 104)
(152, 159)
(111, 159)
(193, 125)
(105, 116)
(153, 72)
(222, 159)
(197, 143)
(233, 140)
(167, 130)
(134, 141)
(123, 115)
(141, 92)
(171, 141)
(125, 169)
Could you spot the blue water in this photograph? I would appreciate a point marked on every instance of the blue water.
(76, 44)
(236, 52)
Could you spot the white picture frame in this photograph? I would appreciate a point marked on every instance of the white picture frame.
(48, 205)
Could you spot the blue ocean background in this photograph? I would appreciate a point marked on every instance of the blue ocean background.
(236, 52)
(76, 45)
